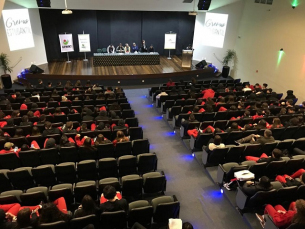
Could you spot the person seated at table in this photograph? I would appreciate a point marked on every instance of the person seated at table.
(120, 48)
(250, 188)
(111, 49)
(189, 47)
(143, 47)
(127, 48)
(134, 47)
(151, 48)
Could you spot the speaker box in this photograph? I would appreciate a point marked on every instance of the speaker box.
(204, 4)
(6, 81)
(43, 3)
(34, 69)
(201, 64)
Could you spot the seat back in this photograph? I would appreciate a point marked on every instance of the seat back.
(87, 170)
(135, 133)
(49, 156)
(147, 162)
(65, 172)
(44, 175)
(107, 168)
(55, 225)
(234, 154)
(154, 184)
(123, 148)
(85, 188)
(258, 169)
(105, 150)
(5, 183)
(273, 168)
(9, 161)
(217, 156)
(140, 146)
(85, 154)
(33, 198)
(261, 198)
(82, 222)
(165, 211)
(286, 194)
(233, 136)
(111, 220)
(21, 179)
(30, 158)
(132, 187)
(292, 165)
(142, 215)
(68, 154)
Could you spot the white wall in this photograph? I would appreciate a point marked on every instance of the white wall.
(263, 33)
(36, 54)
(234, 11)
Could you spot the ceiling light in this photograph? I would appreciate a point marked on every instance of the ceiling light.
(66, 11)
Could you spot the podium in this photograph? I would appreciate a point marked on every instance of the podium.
(187, 57)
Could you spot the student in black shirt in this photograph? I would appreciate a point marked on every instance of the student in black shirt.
(113, 203)
(50, 130)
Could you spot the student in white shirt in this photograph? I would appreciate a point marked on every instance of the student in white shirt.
(216, 144)
(247, 88)
(162, 93)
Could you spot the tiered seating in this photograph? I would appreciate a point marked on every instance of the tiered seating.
(70, 172)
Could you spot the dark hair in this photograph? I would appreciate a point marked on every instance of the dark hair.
(25, 118)
(277, 153)
(24, 218)
(35, 131)
(121, 123)
(88, 205)
(209, 108)
(187, 225)
(63, 140)
(18, 133)
(42, 118)
(264, 182)
(208, 130)
(299, 217)
(2, 115)
(15, 114)
(268, 133)
(217, 140)
(47, 125)
(109, 192)
(2, 215)
(120, 135)
(84, 127)
(234, 126)
(276, 123)
(69, 125)
(99, 139)
(57, 110)
(87, 142)
(50, 213)
(192, 118)
(24, 147)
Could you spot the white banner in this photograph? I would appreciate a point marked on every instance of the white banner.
(170, 41)
(84, 42)
(215, 26)
(66, 43)
(18, 29)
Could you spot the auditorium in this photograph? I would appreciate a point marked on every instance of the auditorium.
(164, 114)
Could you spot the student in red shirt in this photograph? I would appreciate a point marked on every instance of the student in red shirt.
(170, 83)
(9, 148)
(208, 93)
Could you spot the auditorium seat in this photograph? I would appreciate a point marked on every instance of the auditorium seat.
(140, 146)
(62, 190)
(65, 172)
(140, 211)
(116, 220)
(86, 170)
(54, 225)
(30, 158)
(132, 187)
(34, 196)
(82, 222)
(107, 168)
(154, 183)
(113, 181)
(10, 197)
(147, 162)
(44, 175)
(5, 183)
(9, 161)
(21, 178)
(85, 188)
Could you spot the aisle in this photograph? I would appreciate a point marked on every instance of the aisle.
(202, 204)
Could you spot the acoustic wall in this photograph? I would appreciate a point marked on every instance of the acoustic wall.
(106, 27)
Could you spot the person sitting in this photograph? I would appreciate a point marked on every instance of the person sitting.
(216, 143)
(113, 115)
(120, 137)
(19, 133)
(50, 143)
(110, 49)
(51, 213)
(113, 202)
(127, 48)
(234, 127)
(185, 123)
(102, 116)
(25, 121)
(250, 188)
(162, 93)
(10, 122)
(261, 125)
(120, 126)
(49, 130)
(208, 93)
(257, 139)
(120, 48)
(289, 181)
(87, 207)
(151, 48)
(100, 140)
(114, 106)
(35, 131)
(134, 47)
(68, 128)
(298, 220)
(170, 83)
(275, 156)
(109, 91)
(40, 84)
(280, 217)
(275, 124)
(9, 148)
(290, 95)
(247, 88)
(66, 142)
(87, 114)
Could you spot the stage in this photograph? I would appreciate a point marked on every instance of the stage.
(120, 75)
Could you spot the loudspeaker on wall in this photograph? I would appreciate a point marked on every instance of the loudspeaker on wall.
(204, 4)
(34, 69)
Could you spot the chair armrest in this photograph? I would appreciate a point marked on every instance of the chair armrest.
(182, 131)
(269, 223)
(165, 183)
(175, 198)
(220, 174)
(192, 142)
(241, 199)
(205, 157)
(298, 151)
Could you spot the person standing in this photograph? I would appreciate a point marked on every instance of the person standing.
(134, 47)
(143, 47)
(111, 49)
(120, 48)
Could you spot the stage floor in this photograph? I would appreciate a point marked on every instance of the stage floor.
(80, 67)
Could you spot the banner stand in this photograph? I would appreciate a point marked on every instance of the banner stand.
(68, 61)
(85, 58)
(170, 42)
(169, 55)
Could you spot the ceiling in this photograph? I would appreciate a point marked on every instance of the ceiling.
(143, 5)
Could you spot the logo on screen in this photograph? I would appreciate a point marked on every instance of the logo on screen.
(66, 42)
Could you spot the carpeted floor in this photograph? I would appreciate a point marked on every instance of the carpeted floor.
(202, 204)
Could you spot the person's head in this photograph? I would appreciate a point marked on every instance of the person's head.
(100, 138)
(63, 140)
(88, 204)
(88, 83)
(87, 142)
(78, 83)
(48, 125)
(50, 213)
(290, 110)
(265, 86)
(121, 123)
(10, 122)
(231, 99)
(113, 114)
(101, 126)
(187, 225)
(247, 85)
(222, 100)
(208, 130)
(209, 108)
(294, 121)
(120, 44)
(247, 127)
(192, 117)
(35, 131)
(196, 109)
(69, 125)
(24, 218)
(277, 153)
(217, 140)
(264, 183)
(276, 122)
(267, 133)
(120, 134)
(50, 143)
(15, 114)
(217, 130)
(24, 147)
(19, 132)
(84, 127)
(283, 111)
(233, 108)
(210, 101)
(25, 118)
(109, 192)
(2, 115)
(42, 118)
(57, 110)
(262, 123)
(299, 217)
(39, 81)
(59, 84)
(234, 126)
(247, 113)
(49, 84)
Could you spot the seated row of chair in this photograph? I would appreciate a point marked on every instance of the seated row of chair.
(54, 156)
(88, 170)
(281, 134)
(238, 153)
(288, 165)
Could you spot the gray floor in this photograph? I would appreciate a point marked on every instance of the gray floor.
(202, 204)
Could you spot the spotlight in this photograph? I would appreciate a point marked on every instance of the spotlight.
(66, 11)
(174, 131)
(221, 190)
(193, 155)
(281, 50)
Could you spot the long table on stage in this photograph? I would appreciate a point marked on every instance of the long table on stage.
(119, 59)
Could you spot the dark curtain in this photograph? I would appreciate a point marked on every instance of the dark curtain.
(115, 27)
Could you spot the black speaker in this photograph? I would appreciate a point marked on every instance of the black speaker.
(6, 81)
(43, 3)
(204, 4)
(34, 69)
(201, 64)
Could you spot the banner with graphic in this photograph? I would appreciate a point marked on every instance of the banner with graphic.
(66, 43)
(18, 29)
(215, 26)
(170, 41)
(84, 42)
